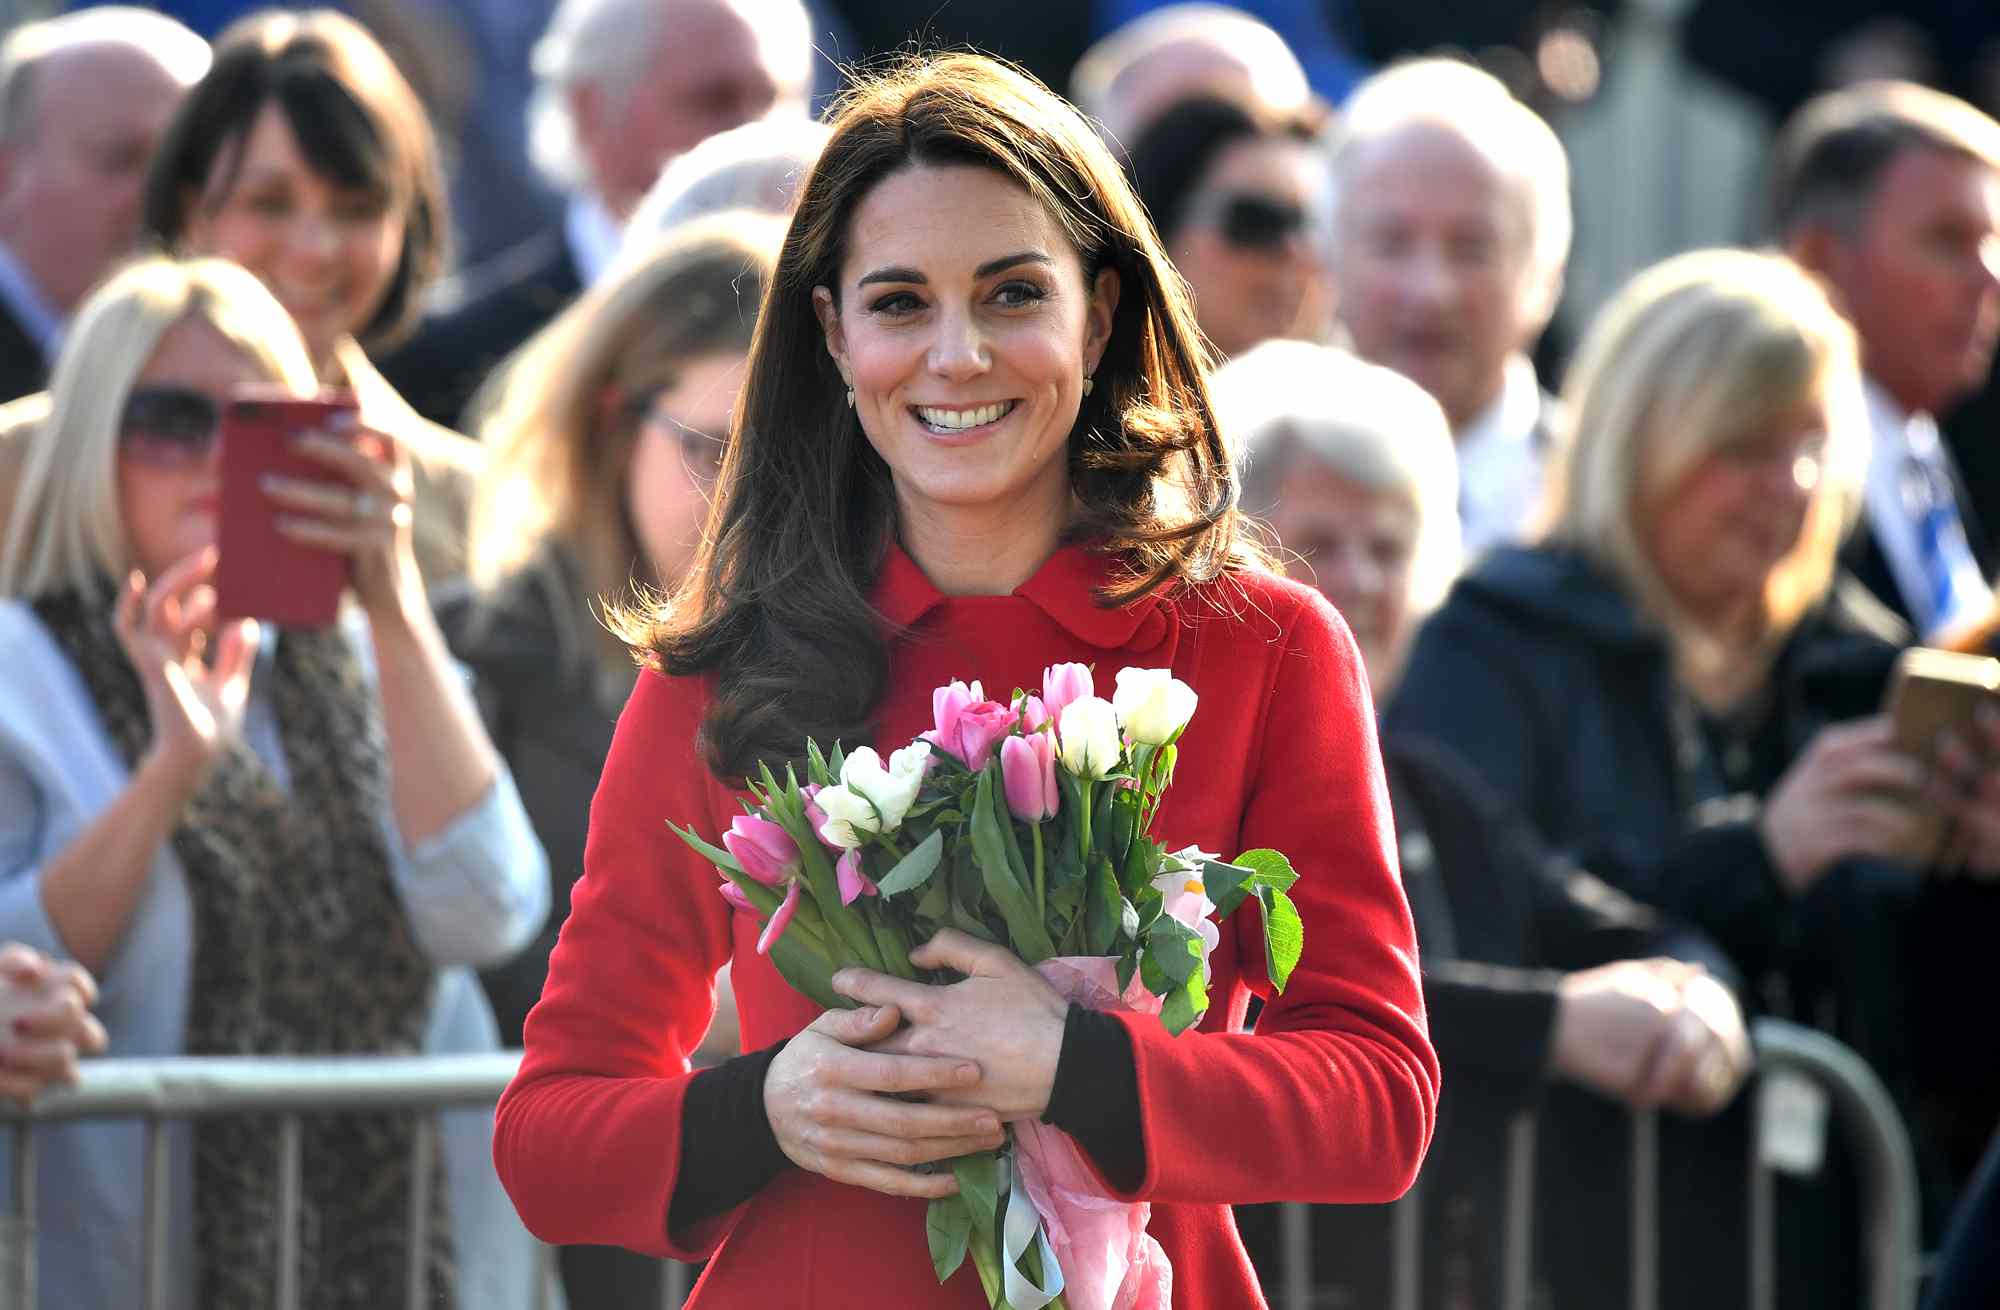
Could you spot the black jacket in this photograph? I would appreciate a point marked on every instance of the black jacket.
(483, 316)
(1862, 556)
(23, 371)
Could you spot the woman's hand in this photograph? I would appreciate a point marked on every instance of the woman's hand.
(835, 1108)
(1004, 1016)
(1849, 794)
(45, 1021)
(1649, 1033)
(1967, 791)
(195, 687)
(364, 512)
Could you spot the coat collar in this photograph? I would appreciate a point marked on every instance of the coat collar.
(1064, 588)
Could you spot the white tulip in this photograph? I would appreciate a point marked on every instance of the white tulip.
(870, 797)
(1153, 705)
(1088, 731)
(849, 816)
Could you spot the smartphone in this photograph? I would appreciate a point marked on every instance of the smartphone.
(260, 573)
(1929, 692)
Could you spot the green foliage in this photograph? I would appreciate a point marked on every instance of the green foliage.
(1003, 881)
(1102, 913)
(914, 869)
(949, 1225)
(1284, 935)
(979, 1187)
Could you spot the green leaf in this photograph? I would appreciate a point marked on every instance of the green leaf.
(968, 895)
(1128, 921)
(1185, 1005)
(1226, 884)
(715, 855)
(1102, 911)
(935, 905)
(809, 975)
(1028, 938)
(979, 1187)
(914, 869)
(1175, 947)
(1273, 870)
(1114, 837)
(816, 770)
(1128, 964)
(1284, 935)
(948, 1225)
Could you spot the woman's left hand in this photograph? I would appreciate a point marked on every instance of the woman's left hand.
(1003, 1016)
(364, 511)
(1967, 790)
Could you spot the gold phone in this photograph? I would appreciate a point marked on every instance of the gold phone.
(1931, 691)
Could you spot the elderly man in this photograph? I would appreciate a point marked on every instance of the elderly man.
(1451, 227)
(83, 100)
(1891, 193)
(622, 88)
(1179, 52)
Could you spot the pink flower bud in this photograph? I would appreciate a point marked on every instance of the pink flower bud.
(815, 815)
(764, 849)
(1028, 770)
(1064, 683)
(947, 703)
(1032, 711)
(779, 921)
(853, 881)
(734, 895)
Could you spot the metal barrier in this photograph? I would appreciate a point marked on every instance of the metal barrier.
(155, 1091)
(1860, 1103)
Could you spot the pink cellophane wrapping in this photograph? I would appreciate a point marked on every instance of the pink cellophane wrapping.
(1109, 1261)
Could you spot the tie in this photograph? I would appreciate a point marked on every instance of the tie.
(1942, 551)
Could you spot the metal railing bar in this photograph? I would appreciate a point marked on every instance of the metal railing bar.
(677, 1283)
(291, 1182)
(1406, 1249)
(1518, 1242)
(189, 1086)
(1295, 1242)
(154, 1285)
(25, 1205)
(1763, 1228)
(545, 1273)
(423, 1159)
(1645, 1210)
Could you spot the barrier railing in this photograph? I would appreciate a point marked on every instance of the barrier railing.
(157, 1091)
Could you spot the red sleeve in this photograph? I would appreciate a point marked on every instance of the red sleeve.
(587, 1139)
(1333, 1098)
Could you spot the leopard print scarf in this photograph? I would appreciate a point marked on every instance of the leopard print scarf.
(301, 948)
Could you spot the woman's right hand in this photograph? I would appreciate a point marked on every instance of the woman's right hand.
(836, 1106)
(1849, 794)
(196, 685)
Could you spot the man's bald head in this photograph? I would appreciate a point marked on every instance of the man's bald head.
(1180, 52)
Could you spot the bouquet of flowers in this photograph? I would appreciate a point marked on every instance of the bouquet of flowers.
(1027, 824)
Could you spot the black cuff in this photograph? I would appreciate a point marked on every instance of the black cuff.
(728, 1150)
(1096, 1095)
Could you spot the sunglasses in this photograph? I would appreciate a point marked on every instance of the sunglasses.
(169, 427)
(1250, 220)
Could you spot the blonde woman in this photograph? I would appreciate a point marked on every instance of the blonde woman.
(1679, 692)
(286, 842)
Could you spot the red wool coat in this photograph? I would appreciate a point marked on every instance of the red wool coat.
(1331, 1100)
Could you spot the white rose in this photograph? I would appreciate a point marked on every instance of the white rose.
(1088, 731)
(870, 797)
(1153, 705)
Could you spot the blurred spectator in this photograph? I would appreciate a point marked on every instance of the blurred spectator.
(1967, 1271)
(45, 1020)
(1316, 34)
(1451, 226)
(1677, 693)
(622, 88)
(265, 843)
(1891, 193)
(304, 157)
(1180, 51)
(83, 99)
(607, 430)
(1241, 207)
(758, 167)
(1532, 973)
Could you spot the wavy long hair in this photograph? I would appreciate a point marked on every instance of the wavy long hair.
(805, 512)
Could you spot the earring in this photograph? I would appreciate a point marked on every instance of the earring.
(850, 397)
(1089, 384)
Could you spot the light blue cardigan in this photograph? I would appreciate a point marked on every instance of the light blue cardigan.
(475, 894)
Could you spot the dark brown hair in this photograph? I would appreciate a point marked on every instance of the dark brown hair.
(358, 124)
(1833, 153)
(1172, 156)
(805, 513)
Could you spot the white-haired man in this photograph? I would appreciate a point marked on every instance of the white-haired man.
(1451, 228)
(1180, 51)
(622, 88)
(83, 100)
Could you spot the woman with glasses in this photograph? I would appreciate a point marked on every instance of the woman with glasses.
(1240, 203)
(264, 842)
(1679, 691)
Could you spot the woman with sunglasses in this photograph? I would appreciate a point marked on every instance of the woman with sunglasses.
(263, 843)
(1240, 204)
(305, 157)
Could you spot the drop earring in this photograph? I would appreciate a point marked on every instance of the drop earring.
(1089, 384)
(850, 397)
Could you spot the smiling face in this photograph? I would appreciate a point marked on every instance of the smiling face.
(169, 505)
(965, 323)
(327, 252)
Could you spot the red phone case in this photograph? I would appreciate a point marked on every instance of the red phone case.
(260, 573)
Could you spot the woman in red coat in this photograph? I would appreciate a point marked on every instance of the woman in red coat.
(974, 441)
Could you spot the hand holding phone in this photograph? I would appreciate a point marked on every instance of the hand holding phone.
(1933, 693)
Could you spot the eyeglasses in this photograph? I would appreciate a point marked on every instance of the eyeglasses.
(1804, 459)
(169, 427)
(1251, 220)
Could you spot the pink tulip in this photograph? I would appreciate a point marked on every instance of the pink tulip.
(764, 849)
(734, 895)
(980, 729)
(1032, 711)
(779, 921)
(854, 882)
(1063, 683)
(1028, 768)
(948, 702)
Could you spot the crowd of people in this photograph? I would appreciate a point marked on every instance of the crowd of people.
(1565, 694)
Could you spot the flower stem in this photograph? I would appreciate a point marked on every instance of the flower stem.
(986, 1259)
(1083, 821)
(1041, 875)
